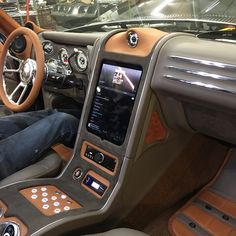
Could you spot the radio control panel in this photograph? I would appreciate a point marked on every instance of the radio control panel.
(100, 158)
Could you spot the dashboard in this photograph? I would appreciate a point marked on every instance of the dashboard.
(147, 94)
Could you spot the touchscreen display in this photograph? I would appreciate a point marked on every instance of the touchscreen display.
(113, 102)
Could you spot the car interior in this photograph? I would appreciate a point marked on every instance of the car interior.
(154, 153)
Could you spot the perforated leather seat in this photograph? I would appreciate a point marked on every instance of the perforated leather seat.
(120, 232)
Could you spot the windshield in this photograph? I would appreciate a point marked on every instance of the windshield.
(173, 15)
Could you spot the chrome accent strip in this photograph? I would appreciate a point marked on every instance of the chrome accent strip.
(200, 84)
(205, 62)
(203, 74)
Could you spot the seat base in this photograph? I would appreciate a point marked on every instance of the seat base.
(49, 166)
(120, 232)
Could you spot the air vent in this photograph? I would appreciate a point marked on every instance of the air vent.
(201, 72)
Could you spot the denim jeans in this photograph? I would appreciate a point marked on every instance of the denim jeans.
(24, 137)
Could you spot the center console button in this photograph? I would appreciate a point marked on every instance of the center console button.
(77, 173)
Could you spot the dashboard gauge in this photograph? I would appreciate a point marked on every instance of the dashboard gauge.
(81, 60)
(48, 48)
(64, 57)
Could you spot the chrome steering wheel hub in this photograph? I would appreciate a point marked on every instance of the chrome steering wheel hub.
(28, 71)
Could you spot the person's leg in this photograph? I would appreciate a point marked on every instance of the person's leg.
(14, 123)
(26, 147)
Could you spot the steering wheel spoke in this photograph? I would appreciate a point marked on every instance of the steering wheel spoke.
(13, 57)
(19, 87)
(6, 70)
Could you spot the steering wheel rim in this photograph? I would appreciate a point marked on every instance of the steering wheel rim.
(31, 71)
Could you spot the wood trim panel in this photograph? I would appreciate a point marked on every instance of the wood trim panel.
(100, 179)
(49, 200)
(82, 152)
(148, 37)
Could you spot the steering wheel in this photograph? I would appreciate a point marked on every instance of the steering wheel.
(30, 71)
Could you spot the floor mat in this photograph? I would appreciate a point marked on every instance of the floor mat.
(213, 210)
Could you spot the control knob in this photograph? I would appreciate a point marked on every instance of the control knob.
(99, 157)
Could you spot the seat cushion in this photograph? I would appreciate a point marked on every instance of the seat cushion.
(120, 232)
(49, 165)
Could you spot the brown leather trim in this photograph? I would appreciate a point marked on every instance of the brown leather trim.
(7, 24)
(64, 152)
(55, 199)
(39, 73)
(100, 179)
(82, 152)
(189, 203)
(148, 37)
(220, 203)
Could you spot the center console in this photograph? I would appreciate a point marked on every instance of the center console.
(87, 191)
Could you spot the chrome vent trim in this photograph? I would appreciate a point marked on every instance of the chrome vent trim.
(204, 62)
(200, 84)
(203, 74)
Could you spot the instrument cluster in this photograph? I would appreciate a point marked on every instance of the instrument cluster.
(73, 58)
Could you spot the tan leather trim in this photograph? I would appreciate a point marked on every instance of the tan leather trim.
(7, 24)
(220, 203)
(23, 228)
(173, 218)
(1, 48)
(82, 152)
(4, 207)
(36, 28)
(179, 229)
(155, 131)
(100, 179)
(207, 221)
(55, 199)
(148, 37)
(64, 152)
(39, 73)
